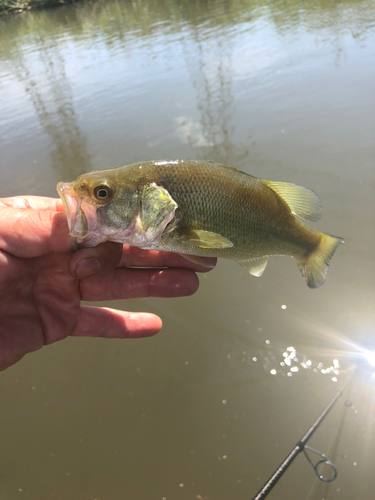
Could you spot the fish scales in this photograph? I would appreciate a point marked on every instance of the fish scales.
(199, 209)
(234, 204)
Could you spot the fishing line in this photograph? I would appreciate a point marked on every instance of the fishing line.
(301, 446)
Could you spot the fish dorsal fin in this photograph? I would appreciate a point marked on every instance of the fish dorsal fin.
(206, 239)
(255, 266)
(302, 202)
(232, 169)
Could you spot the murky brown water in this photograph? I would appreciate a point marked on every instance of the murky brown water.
(210, 406)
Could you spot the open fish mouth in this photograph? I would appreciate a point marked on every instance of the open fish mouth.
(77, 221)
(81, 217)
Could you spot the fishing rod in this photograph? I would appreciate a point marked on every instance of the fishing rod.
(301, 446)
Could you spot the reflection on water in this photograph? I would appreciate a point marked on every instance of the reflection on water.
(51, 97)
(210, 69)
(60, 122)
(289, 362)
(210, 406)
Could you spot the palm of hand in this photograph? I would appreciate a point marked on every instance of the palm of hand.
(39, 303)
(41, 287)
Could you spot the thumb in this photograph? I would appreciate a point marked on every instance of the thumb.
(28, 232)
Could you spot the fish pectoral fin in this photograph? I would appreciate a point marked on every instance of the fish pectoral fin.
(206, 239)
(255, 266)
(302, 202)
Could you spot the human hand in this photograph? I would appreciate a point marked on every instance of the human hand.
(42, 282)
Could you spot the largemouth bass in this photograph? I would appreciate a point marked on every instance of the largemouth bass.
(199, 209)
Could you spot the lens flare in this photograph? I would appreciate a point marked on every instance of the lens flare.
(370, 357)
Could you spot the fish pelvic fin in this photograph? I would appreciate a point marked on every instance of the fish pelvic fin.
(302, 202)
(255, 266)
(314, 270)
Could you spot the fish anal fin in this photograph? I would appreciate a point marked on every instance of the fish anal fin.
(302, 202)
(255, 266)
(206, 239)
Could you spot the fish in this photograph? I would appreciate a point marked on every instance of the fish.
(199, 209)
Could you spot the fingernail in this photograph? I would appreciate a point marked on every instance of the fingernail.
(208, 265)
(206, 262)
(87, 267)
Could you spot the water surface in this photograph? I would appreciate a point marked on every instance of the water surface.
(209, 407)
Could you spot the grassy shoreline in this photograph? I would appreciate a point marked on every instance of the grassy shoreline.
(14, 6)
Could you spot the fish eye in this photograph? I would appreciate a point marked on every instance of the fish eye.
(103, 192)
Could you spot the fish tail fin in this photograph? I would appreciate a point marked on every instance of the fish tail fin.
(315, 268)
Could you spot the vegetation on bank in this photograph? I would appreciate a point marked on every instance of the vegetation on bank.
(11, 6)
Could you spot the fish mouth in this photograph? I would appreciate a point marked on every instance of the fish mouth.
(81, 217)
(77, 221)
